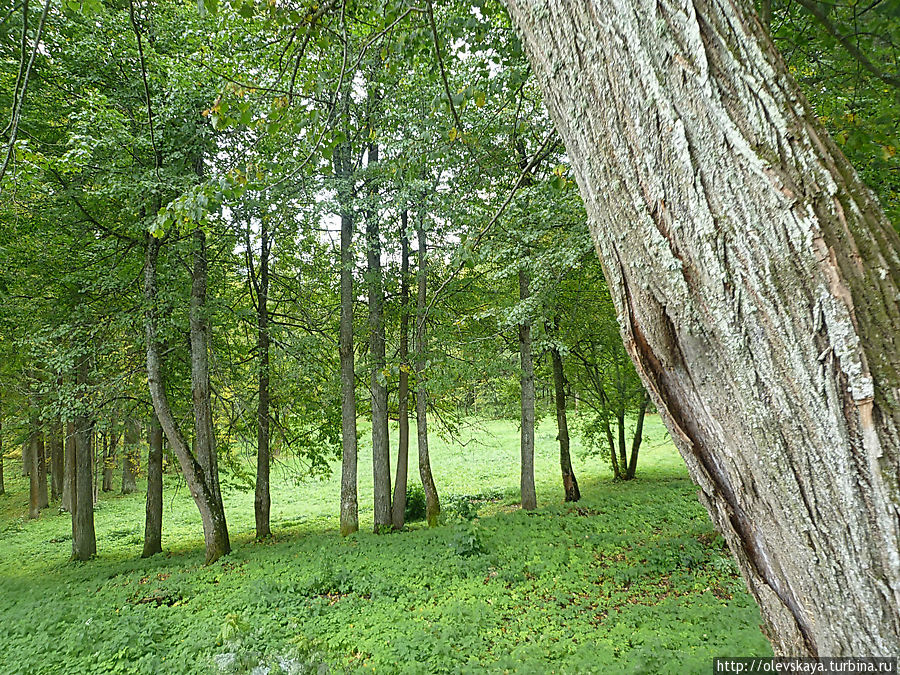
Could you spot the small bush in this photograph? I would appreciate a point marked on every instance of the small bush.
(415, 503)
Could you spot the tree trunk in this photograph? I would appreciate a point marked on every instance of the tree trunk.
(84, 540)
(637, 438)
(40, 447)
(201, 392)
(57, 462)
(111, 440)
(349, 502)
(756, 280)
(398, 505)
(153, 519)
(570, 484)
(381, 452)
(432, 502)
(528, 494)
(95, 465)
(209, 502)
(34, 489)
(69, 469)
(131, 456)
(262, 501)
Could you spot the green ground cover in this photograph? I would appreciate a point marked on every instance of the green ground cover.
(631, 579)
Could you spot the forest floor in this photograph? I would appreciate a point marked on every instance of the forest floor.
(631, 579)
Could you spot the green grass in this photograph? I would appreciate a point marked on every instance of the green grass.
(632, 579)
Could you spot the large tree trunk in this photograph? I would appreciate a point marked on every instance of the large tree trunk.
(56, 459)
(570, 484)
(526, 445)
(756, 281)
(381, 451)
(69, 468)
(208, 500)
(432, 502)
(84, 539)
(262, 501)
(153, 512)
(398, 504)
(349, 501)
(131, 456)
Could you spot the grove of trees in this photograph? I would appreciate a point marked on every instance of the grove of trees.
(245, 234)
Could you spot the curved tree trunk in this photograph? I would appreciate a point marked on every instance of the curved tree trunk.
(756, 281)
(570, 484)
(398, 504)
(153, 512)
(207, 499)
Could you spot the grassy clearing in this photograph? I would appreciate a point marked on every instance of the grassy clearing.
(632, 579)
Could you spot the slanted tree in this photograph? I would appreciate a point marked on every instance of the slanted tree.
(198, 470)
(756, 280)
(570, 483)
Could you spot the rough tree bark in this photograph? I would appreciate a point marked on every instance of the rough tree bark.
(206, 497)
(349, 500)
(262, 500)
(432, 502)
(570, 484)
(381, 451)
(84, 539)
(398, 503)
(756, 281)
(153, 513)
(526, 445)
